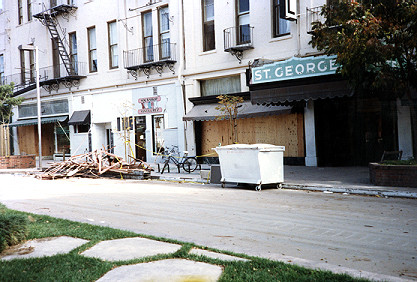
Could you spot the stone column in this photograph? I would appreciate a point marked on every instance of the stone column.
(310, 134)
(405, 141)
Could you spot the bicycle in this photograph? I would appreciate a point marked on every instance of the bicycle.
(189, 164)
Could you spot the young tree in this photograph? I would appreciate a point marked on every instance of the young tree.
(376, 46)
(7, 102)
(229, 106)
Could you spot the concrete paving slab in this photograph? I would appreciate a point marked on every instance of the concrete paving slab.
(42, 248)
(168, 270)
(129, 248)
(214, 255)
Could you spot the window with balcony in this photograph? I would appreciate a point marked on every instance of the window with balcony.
(147, 36)
(280, 26)
(113, 45)
(22, 67)
(19, 11)
(164, 36)
(209, 42)
(92, 49)
(73, 51)
(32, 66)
(244, 34)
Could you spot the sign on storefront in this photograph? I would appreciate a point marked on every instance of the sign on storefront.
(295, 68)
(148, 105)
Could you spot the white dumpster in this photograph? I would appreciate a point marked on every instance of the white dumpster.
(254, 164)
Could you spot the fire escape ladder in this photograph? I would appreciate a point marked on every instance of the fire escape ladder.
(52, 27)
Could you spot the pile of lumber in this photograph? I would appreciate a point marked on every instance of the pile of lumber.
(96, 164)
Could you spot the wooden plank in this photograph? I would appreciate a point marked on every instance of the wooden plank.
(283, 130)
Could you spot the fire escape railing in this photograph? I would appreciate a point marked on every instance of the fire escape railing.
(150, 57)
(49, 78)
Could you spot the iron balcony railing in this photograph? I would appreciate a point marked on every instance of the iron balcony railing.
(149, 55)
(238, 37)
(27, 77)
(313, 15)
(53, 6)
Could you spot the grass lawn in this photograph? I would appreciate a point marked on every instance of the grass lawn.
(74, 267)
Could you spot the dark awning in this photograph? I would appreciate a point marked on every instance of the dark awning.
(305, 92)
(33, 121)
(247, 110)
(80, 117)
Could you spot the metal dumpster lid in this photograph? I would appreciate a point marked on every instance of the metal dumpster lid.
(260, 147)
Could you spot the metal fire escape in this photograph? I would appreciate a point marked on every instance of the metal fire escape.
(48, 17)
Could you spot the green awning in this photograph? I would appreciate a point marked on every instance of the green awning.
(33, 121)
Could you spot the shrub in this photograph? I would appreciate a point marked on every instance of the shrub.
(13, 229)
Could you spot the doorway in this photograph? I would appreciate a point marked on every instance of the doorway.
(140, 138)
(354, 131)
(55, 58)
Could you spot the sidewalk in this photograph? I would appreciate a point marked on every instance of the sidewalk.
(351, 180)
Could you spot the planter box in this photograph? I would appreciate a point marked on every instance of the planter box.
(13, 162)
(393, 175)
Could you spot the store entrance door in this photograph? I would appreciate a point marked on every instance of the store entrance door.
(140, 137)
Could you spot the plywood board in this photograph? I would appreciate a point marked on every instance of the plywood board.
(28, 139)
(283, 130)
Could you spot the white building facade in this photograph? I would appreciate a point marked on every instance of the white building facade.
(137, 76)
(107, 71)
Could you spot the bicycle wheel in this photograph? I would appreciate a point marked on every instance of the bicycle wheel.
(189, 164)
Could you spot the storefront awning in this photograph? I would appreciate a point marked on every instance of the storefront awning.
(305, 92)
(33, 121)
(247, 110)
(80, 117)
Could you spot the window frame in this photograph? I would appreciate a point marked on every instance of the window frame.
(147, 56)
(155, 135)
(73, 53)
(206, 24)
(29, 9)
(276, 19)
(239, 15)
(32, 69)
(91, 50)
(1, 68)
(22, 67)
(82, 128)
(19, 12)
(162, 48)
(111, 46)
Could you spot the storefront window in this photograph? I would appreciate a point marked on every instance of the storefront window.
(219, 86)
(158, 129)
(62, 138)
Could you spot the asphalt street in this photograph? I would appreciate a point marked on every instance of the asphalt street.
(332, 231)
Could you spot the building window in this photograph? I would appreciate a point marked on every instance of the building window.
(81, 128)
(73, 51)
(92, 49)
(29, 7)
(20, 11)
(22, 67)
(243, 22)
(208, 25)
(113, 50)
(32, 65)
(164, 36)
(157, 130)
(219, 86)
(148, 36)
(280, 26)
(2, 82)
(125, 123)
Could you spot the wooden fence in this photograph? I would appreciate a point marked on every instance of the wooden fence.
(4, 140)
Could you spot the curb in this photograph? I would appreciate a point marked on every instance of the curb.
(356, 191)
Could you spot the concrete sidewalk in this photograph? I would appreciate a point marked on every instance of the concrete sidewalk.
(351, 180)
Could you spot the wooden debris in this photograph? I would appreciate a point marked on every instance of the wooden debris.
(96, 164)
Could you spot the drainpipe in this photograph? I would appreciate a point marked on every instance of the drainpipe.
(298, 23)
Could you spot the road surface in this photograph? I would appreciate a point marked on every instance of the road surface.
(333, 231)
